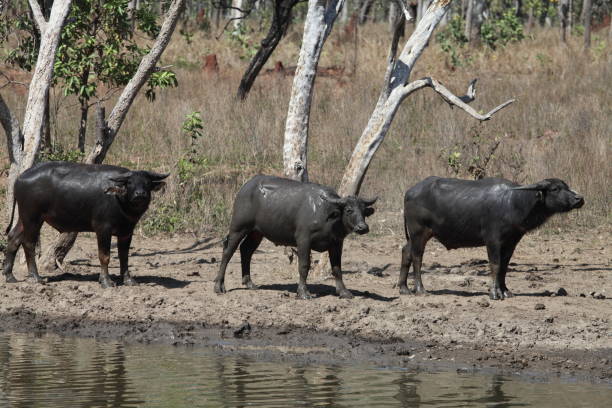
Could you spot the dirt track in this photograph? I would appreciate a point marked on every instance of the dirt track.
(456, 324)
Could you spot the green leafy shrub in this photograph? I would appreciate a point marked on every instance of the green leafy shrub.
(240, 38)
(59, 153)
(506, 28)
(453, 41)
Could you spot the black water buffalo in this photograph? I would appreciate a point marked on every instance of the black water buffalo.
(287, 212)
(72, 197)
(491, 212)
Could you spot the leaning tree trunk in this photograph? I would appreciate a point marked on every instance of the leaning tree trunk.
(319, 22)
(107, 132)
(395, 89)
(280, 22)
(26, 144)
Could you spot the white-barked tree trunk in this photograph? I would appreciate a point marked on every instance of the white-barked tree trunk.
(24, 144)
(319, 22)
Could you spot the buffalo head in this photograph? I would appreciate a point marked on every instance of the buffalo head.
(353, 210)
(555, 195)
(135, 186)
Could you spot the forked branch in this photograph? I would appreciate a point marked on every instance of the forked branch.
(451, 99)
(38, 16)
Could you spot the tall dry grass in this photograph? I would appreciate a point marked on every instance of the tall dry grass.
(560, 126)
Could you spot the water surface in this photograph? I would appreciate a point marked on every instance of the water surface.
(52, 371)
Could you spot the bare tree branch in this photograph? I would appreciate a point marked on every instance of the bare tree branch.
(147, 65)
(453, 100)
(281, 18)
(10, 81)
(405, 10)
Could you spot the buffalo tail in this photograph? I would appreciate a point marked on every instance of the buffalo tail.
(8, 228)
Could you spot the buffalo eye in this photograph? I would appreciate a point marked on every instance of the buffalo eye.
(334, 214)
(349, 211)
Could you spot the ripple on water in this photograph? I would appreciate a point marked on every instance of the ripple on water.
(52, 371)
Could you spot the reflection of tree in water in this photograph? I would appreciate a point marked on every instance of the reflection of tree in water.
(324, 387)
(407, 394)
(58, 372)
(495, 396)
(243, 381)
(109, 385)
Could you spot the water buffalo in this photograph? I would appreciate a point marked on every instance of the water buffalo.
(491, 212)
(287, 212)
(72, 197)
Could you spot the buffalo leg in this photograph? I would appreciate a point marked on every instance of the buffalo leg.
(230, 244)
(335, 259)
(31, 230)
(494, 252)
(104, 244)
(303, 267)
(418, 241)
(404, 270)
(247, 248)
(15, 238)
(506, 254)
(123, 247)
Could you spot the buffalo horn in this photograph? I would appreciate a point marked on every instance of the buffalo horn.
(122, 178)
(369, 201)
(339, 201)
(157, 176)
(540, 185)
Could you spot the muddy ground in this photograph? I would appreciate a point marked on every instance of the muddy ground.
(537, 332)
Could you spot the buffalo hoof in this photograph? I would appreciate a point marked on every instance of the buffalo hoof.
(248, 283)
(37, 279)
(508, 294)
(404, 290)
(10, 278)
(107, 283)
(496, 294)
(345, 294)
(421, 291)
(219, 288)
(304, 294)
(130, 282)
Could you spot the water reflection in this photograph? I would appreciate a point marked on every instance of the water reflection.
(58, 372)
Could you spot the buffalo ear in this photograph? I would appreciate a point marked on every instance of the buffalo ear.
(119, 191)
(540, 196)
(157, 185)
(368, 211)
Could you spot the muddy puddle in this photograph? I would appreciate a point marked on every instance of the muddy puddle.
(54, 371)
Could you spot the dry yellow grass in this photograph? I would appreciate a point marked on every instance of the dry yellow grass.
(560, 125)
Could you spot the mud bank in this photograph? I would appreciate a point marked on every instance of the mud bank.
(557, 324)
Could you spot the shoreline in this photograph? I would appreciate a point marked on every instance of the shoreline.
(537, 333)
(308, 346)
